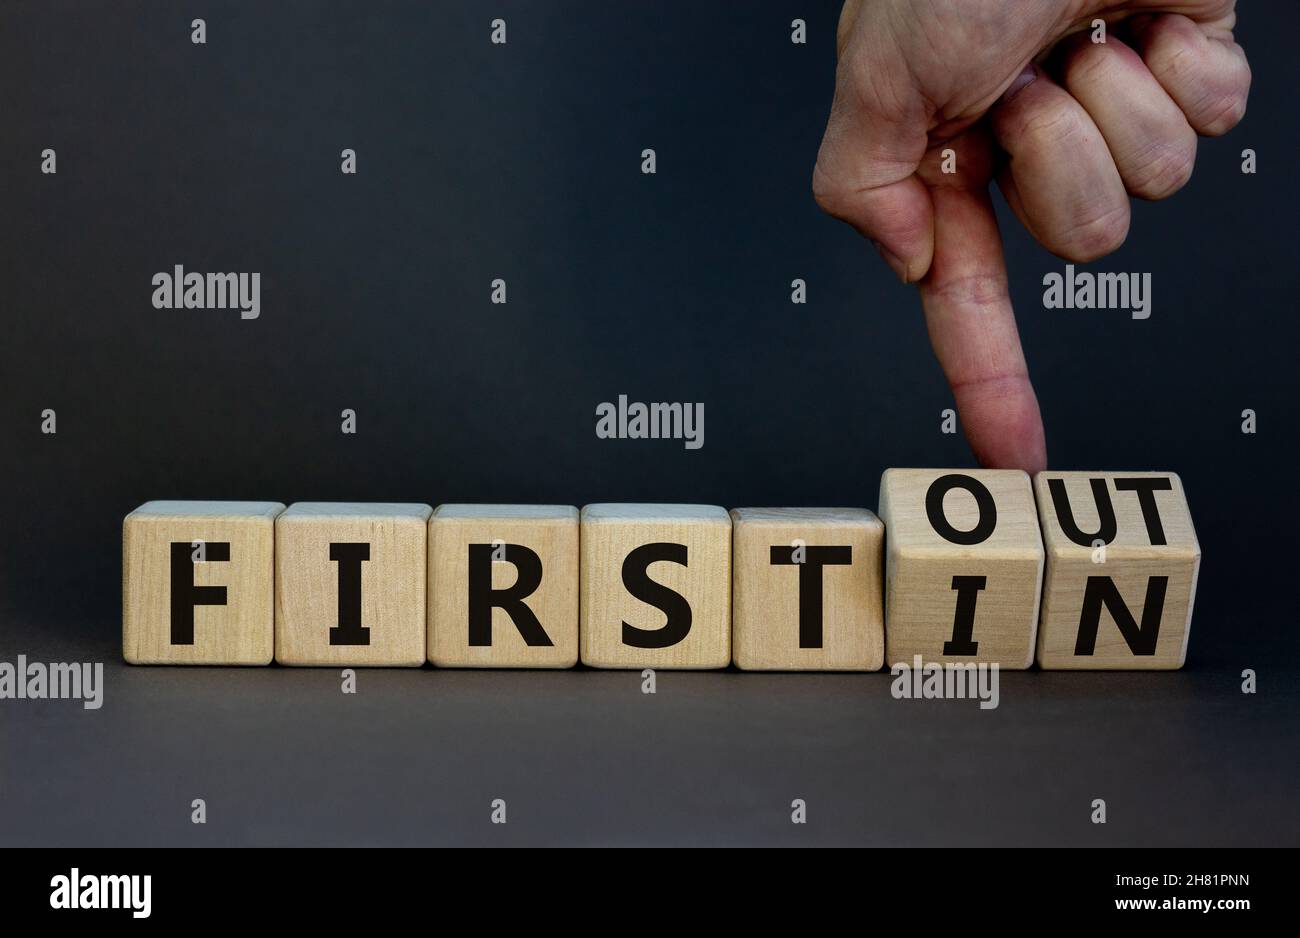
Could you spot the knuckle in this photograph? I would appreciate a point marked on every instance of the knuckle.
(1051, 123)
(829, 192)
(980, 291)
(1096, 236)
(1179, 62)
(1222, 112)
(1163, 170)
(1087, 63)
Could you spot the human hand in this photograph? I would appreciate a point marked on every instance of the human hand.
(1068, 127)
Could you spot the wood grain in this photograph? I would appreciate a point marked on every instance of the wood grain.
(609, 533)
(392, 582)
(240, 631)
(549, 531)
(920, 599)
(766, 597)
(1130, 560)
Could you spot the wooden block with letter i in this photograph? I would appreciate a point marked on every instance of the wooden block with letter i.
(806, 589)
(503, 586)
(198, 582)
(350, 583)
(1122, 560)
(656, 586)
(964, 563)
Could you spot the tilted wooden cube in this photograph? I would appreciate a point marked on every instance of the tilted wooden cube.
(503, 586)
(1122, 561)
(964, 564)
(656, 586)
(198, 582)
(806, 589)
(350, 583)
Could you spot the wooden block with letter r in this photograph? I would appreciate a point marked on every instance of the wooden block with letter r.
(656, 586)
(350, 583)
(1122, 561)
(806, 589)
(198, 582)
(503, 586)
(963, 568)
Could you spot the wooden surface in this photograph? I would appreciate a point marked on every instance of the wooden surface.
(239, 632)
(765, 627)
(392, 582)
(1130, 560)
(550, 531)
(609, 533)
(920, 602)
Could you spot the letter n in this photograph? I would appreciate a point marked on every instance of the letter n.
(1101, 592)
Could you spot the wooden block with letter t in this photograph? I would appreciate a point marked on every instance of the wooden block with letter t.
(350, 583)
(806, 589)
(656, 586)
(1122, 560)
(198, 582)
(503, 586)
(963, 568)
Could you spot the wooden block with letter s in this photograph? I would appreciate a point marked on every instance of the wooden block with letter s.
(656, 586)
(963, 568)
(198, 582)
(1122, 562)
(350, 583)
(806, 589)
(503, 586)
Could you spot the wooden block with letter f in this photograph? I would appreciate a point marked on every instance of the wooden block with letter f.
(806, 589)
(198, 582)
(503, 586)
(350, 583)
(964, 564)
(1122, 561)
(656, 586)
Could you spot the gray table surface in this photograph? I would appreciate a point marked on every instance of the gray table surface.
(416, 757)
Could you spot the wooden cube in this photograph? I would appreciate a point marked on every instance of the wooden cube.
(1122, 560)
(964, 563)
(198, 582)
(350, 583)
(503, 586)
(807, 589)
(656, 586)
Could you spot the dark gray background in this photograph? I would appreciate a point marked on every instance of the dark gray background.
(478, 161)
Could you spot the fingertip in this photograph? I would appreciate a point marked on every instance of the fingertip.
(922, 260)
(1005, 430)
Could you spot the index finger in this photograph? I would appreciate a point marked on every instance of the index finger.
(973, 330)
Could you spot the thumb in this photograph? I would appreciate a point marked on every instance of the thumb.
(866, 174)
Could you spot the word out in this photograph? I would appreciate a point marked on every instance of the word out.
(1082, 570)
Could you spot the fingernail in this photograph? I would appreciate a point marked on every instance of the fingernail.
(895, 264)
(1026, 77)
